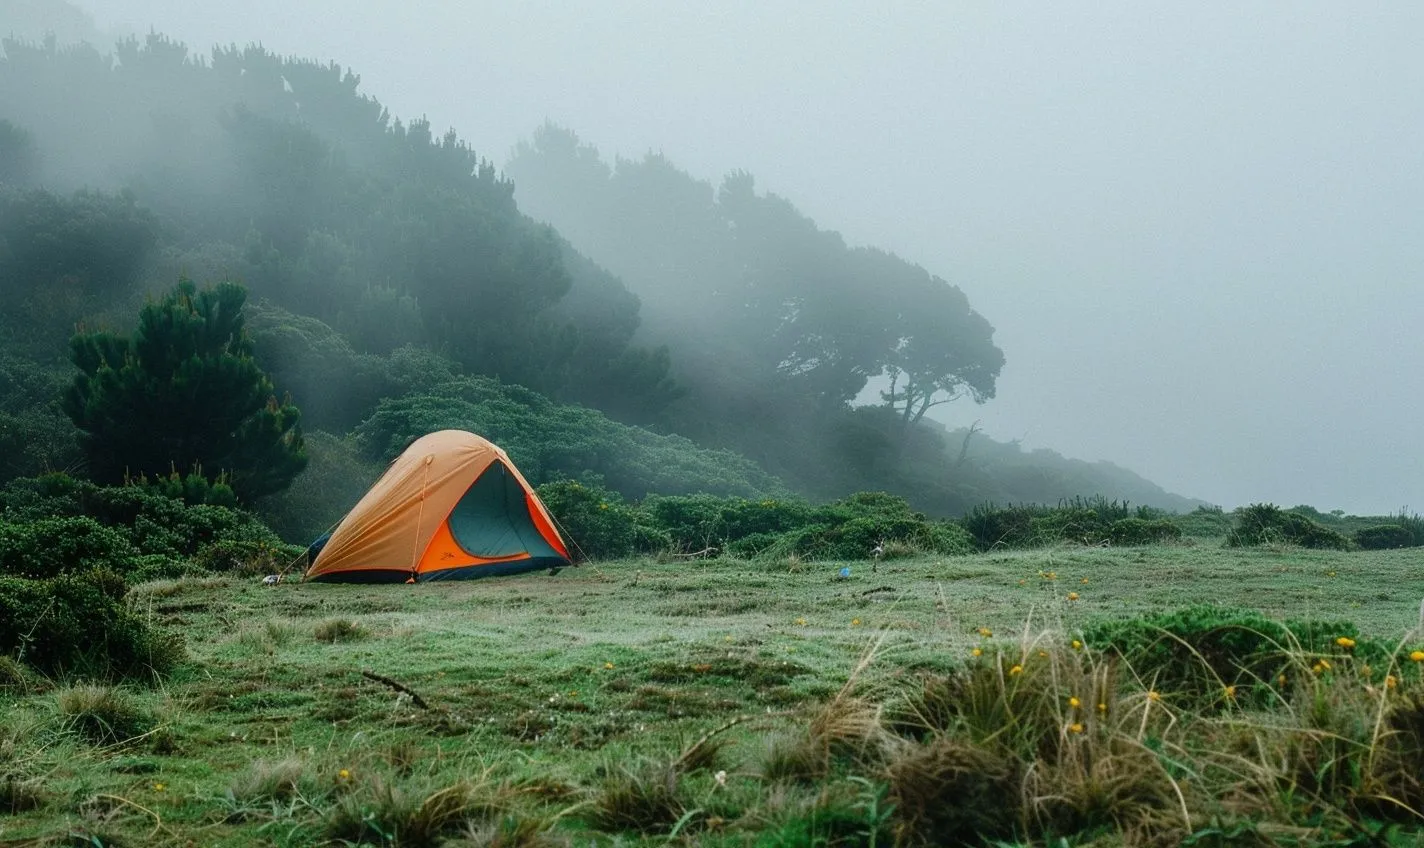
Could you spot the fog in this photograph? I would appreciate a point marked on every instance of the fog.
(1196, 228)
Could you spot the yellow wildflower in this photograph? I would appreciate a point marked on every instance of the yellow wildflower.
(1072, 596)
(1281, 680)
(801, 622)
(1084, 581)
(1075, 727)
(1077, 645)
(608, 665)
(1102, 707)
(1074, 703)
(1345, 642)
(1051, 575)
(985, 632)
(1417, 656)
(159, 787)
(1018, 669)
(1230, 693)
(344, 774)
(978, 652)
(1154, 695)
(855, 622)
(1390, 682)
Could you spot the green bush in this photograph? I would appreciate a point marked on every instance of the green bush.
(993, 526)
(1263, 524)
(1139, 531)
(1383, 537)
(77, 625)
(53, 546)
(550, 441)
(857, 526)
(1204, 522)
(597, 523)
(152, 523)
(698, 522)
(1196, 650)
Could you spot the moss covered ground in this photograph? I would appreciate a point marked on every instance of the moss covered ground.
(514, 710)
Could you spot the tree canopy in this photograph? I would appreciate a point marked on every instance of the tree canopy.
(182, 393)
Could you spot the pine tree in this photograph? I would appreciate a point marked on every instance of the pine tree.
(182, 393)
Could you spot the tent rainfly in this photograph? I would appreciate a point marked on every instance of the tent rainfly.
(451, 507)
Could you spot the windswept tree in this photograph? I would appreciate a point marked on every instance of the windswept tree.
(943, 351)
(182, 393)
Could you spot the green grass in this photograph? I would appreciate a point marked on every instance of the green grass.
(562, 707)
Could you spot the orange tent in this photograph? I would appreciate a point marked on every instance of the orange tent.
(451, 507)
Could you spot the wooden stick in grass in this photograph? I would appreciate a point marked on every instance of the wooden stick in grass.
(399, 687)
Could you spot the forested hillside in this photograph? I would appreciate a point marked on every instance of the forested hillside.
(386, 263)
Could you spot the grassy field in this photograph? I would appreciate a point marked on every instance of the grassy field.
(623, 703)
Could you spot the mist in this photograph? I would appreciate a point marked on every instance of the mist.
(1195, 229)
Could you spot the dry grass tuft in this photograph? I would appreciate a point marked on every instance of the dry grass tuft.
(19, 796)
(380, 812)
(510, 833)
(266, 780)
(335, 630)
(948, 791)
(642, 798)
(103, 715)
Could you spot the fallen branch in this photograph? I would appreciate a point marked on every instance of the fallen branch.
(399, 687)
(706, 737)
(708, 551)
(878, 589)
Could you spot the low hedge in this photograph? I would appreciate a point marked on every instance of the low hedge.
(77, 625)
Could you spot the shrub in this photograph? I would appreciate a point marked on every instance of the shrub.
(49, 547)
(78, 624)
(1205, 522)
(549, 441)
(1383, 537)
(1000, 527)
(246, 558)
(697, 522)
(597, 522)
(1263, 524)
(153, 523)
(1198, 649)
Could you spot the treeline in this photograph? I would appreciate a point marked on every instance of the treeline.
(277, 173)
(372, 246)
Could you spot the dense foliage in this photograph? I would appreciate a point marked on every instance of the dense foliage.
(547, 440)
(78, 625)
(1086, 521)
(1201, 649)
(184, 392)
(69, 548)
(867, 525)
(371, 241)
(1265, 524)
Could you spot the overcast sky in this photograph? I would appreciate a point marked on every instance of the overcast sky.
(1196, 227)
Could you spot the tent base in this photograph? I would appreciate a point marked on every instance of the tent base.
(464, 572)
(493, 569)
